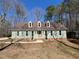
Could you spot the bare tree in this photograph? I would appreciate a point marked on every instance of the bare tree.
(72, 8)
(4, 23)
(6, 5)
(37, 13)
(20, 12)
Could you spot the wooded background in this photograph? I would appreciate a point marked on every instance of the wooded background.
(67, 13)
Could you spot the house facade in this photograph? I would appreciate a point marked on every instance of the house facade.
(38, 30)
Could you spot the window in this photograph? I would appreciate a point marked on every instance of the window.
(32, 35)
(22, 33)
(45, 24)
(51, 33)
(26, 33)
(39, 25)
(17, 33)
(55, 33)
(59, 32)
(30, 24)
(48, 24)
(45, 34)
(39, 32)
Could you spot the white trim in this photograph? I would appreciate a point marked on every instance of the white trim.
(48, 22)
(29, 24)
(39, 22)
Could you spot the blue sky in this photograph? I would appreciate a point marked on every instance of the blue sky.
(42, 4)
(29, 5)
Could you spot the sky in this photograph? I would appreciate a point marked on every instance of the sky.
(42, 4)
(29, 5)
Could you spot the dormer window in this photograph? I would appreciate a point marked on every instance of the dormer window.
(48, 23)
(39, 24)
(30, 24)
(45, 24)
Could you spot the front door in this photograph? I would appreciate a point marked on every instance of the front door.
(39, 33)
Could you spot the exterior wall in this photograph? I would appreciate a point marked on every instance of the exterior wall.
(55, 34)
(29, 34)
(14, 34)
(35, 35)
(22, 34)
(41, 36)
(64, 34)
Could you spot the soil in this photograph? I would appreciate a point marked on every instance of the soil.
(46, 50)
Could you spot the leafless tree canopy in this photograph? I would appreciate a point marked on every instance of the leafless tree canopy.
(37, 13)
(7, 6)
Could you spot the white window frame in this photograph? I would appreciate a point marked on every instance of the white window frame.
(48, 22)
(17, 33)
(39, 23)
(26, 33)
(30, 24)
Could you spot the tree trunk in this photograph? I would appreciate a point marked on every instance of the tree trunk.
(76, 21)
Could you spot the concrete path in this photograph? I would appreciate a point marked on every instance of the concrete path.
(4, 38)
(37, 41)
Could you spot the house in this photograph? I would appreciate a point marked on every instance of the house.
(39, 30)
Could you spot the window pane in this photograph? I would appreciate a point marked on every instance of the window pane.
(51, 33)
(47, 24)
(26, 33)
(59, 32)
(30, 24)
(17, 33)
(22, 34)
(39, 24)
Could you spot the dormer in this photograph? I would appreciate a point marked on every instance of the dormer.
(30, 24)
(39, 23)
(48, 23)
